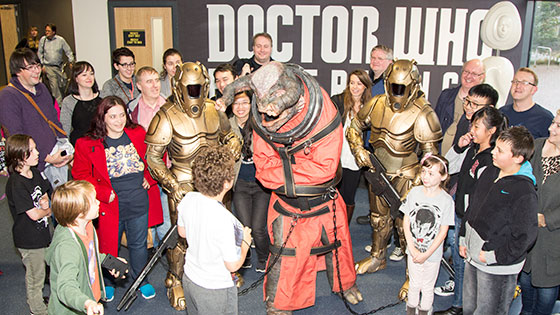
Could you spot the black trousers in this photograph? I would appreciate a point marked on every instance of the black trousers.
(250, 202)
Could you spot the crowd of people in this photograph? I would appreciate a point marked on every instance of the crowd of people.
(484, 187)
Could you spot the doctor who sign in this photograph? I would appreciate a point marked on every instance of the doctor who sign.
(331, 39)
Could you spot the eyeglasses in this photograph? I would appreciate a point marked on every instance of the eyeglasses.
(472, 104)
(523, 83)
(465, 72)
(32, 67)
(127, 65)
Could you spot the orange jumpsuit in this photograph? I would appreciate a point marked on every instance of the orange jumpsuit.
(294, 284)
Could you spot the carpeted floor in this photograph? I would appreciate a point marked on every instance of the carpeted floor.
(378, 289)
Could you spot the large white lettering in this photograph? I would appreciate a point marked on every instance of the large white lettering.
(245, 13)
(330, 14)
(225, 13)
(307, 13)
(281, 51)
(359, 15)
(456, 38)
(426, 57)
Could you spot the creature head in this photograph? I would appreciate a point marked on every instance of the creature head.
(191, 84)
(402, 83)
(277, 92)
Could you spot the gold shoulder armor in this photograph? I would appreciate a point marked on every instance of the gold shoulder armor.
(426, 127)
(363, 114)
(160, 130)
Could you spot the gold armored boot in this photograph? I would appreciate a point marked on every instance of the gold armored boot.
(176, 260)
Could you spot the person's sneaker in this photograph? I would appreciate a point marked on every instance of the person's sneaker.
(148, 291)
(363, 220)
(445, 290)
(397, 254)
(247, 263)
(109, 293)
(260, 267)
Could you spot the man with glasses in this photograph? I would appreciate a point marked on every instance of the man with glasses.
(18, 115)
(449, 106)
(380, 58)
(123, 84)
(51, 50)
(524, 111)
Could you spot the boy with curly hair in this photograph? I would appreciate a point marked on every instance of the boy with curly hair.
(218, 243)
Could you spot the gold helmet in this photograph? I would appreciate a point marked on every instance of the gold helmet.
(402, 83)
(191, 85)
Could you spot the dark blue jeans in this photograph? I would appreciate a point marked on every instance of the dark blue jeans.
(536, 300)
(136, 230)
(458, 266)
(486, 293)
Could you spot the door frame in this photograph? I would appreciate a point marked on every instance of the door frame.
(111, 5)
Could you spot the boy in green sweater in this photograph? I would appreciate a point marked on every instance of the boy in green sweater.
(73, 256)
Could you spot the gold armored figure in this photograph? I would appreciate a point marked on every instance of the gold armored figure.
(402, 124)
(181, 128)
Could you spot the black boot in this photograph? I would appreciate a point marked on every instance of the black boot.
(363, 220)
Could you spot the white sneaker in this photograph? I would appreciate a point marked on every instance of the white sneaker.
(397, 254)
(368, 248)
(447, 289)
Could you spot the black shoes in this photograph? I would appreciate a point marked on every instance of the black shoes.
(453, 310)
(363, 220)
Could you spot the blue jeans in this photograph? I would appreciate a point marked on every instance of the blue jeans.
(486, 293)
(458, 266)
(162, 229)
(136, 230)
(536, 300)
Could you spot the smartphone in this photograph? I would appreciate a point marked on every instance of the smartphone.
(111, 262)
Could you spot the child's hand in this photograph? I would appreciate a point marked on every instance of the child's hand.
(145, 184)
(115, 273)
(93, 307)
(463, 251)
(44, 202)
(247, 234)
(421, 258)
(481, 256)
(465, 140)
(413, 252)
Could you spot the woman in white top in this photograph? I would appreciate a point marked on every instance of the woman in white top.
(349, 102)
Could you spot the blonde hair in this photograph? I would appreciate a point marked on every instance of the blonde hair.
(72, 199)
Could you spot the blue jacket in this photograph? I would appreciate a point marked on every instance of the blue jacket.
(446, 106)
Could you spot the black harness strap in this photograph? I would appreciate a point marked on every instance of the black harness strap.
(286, 153)
(320, 250)
(278, 207)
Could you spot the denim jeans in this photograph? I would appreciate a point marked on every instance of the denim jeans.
(250, 201)
(136, 230)
(536, 300)
(458, 266)
(486, 293)
(162, 229)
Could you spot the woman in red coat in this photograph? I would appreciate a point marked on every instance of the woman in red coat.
(111, 157)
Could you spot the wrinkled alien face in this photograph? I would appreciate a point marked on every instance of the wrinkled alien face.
(272, 87)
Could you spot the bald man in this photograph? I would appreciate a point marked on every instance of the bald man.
(449, 106)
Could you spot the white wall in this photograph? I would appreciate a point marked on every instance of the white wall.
(91, 34)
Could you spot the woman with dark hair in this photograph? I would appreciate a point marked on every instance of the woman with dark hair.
(31, 41)
(540, 278)
(79, 107)
(349, 103)
(171, 58)
(111, 157)
(250, 198)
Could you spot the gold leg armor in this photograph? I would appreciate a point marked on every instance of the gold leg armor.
(381, 223)
(176, 261)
